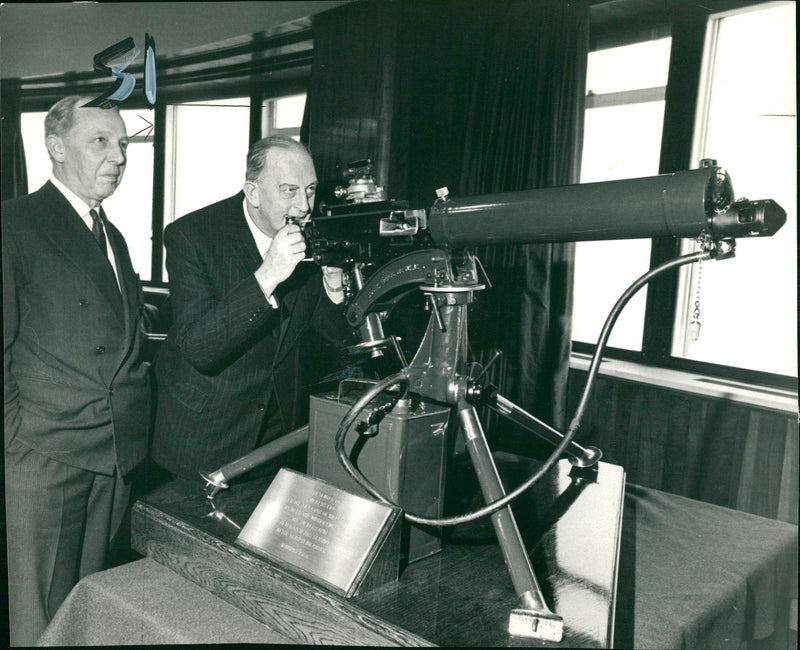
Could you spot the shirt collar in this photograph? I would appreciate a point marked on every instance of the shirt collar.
(80, 206)
(262, 239)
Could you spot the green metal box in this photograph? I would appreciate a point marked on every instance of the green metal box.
(404, 459)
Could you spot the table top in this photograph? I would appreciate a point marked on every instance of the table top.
(464, 595)
(690, 575)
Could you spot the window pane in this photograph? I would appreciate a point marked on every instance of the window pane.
(130, 207)
(283, 115)
(209, 143)
(630, 67)
(603, 270)
(37, 162)
(289, 112)
(620, 142)
(748, 304)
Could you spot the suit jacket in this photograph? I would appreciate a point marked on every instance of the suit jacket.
(76, 388)
(227, 346)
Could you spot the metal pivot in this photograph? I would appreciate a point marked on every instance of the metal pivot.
(533, 618)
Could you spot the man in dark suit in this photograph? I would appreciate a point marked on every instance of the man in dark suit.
(77, 394)
(251, 323)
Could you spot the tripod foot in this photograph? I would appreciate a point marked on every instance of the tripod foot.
(534, 620)
(589, 457)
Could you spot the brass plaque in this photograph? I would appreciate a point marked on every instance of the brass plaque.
(328, 535)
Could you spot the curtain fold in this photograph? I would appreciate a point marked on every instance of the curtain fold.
(524, 132)
(480, 97)
(12, 154)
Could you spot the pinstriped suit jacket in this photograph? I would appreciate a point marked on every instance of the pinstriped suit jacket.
(76, 388)
(226, 348)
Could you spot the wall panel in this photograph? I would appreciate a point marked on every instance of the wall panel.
(706, 448)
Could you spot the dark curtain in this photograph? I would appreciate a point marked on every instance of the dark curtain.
(12, 156)
(480, 97)
(349, 107)
(525, 132)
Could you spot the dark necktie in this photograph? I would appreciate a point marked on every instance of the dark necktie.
(98, 232)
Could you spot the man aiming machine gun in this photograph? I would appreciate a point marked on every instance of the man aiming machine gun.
(387, 250)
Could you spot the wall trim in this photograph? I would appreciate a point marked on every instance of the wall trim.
(783, 400)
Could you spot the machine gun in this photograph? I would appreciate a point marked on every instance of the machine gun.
(387, 249)
(378, 241)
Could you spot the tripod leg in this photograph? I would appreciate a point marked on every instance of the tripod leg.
(533, 618)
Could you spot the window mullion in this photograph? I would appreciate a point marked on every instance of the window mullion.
(256, 112)
(624, 97)
(159, 155)
(685, 64)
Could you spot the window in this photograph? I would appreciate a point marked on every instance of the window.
(622, 139)
(206, 152)
(205, 155)
(283, 115)
(747, 122)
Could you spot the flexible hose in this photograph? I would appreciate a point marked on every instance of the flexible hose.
(401, 378)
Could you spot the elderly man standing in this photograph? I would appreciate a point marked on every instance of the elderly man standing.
(77, 393)
(251, 322)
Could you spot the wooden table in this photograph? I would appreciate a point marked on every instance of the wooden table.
(691, 575)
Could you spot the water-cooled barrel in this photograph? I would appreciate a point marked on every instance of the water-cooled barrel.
(682, 204)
